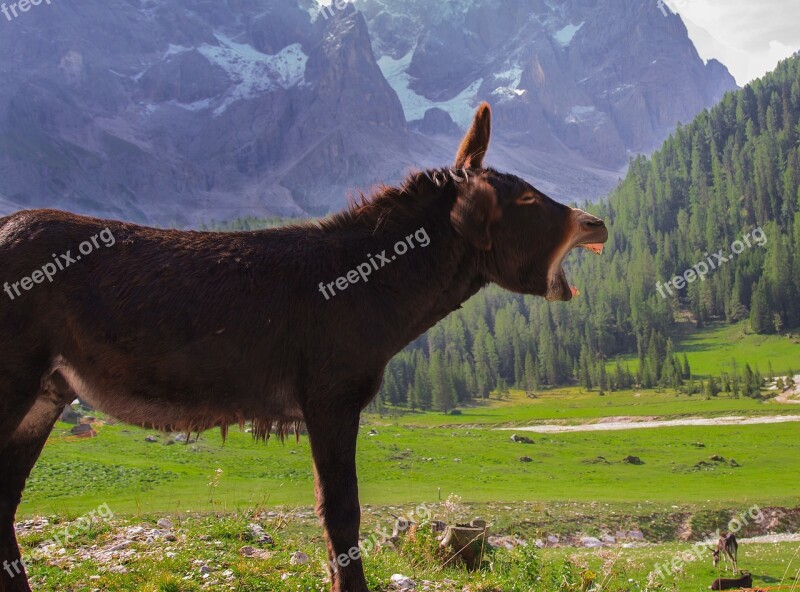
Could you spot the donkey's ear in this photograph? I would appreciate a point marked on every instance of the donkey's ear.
(475, 144)
(474, 211)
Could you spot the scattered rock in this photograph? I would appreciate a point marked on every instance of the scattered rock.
(373, 432)
(253, 553)
(298, 558)
(597, 460)
(698, 445)
(632, 460)
(733, 463)
(259, 535)
(591, 542)
(525, 459)
(119, 546)
(521, 439)
(716, 458)
(401, 582)
(70, 415)
(83, 430)
(165, 523)
(505, 542)
(151, 439)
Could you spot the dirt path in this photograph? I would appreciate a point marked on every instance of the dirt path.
(638, 423)
(773, 538)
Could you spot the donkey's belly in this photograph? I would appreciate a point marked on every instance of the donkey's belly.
(184, 406)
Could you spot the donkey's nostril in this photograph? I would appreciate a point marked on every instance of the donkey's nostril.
(594, 222)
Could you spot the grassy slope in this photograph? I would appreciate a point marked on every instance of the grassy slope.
(712, 350)
(574, 405)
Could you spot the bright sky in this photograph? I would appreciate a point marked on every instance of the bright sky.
(749, 36)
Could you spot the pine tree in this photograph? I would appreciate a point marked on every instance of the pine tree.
(441, 386)
(530, 379)
(760, 318)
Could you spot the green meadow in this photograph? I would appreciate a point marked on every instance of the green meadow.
(711, 351)
(688, 481)
(420, 457)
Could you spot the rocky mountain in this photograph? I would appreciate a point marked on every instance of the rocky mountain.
(603, 78)
(178, 112)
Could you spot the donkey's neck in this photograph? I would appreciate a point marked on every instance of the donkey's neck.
(422, 286)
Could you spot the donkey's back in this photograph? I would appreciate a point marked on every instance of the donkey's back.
(172, 329)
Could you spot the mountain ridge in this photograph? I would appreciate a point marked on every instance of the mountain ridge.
(178, 115)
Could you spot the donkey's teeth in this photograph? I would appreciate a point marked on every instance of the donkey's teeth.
(595, 248)
(575, 291)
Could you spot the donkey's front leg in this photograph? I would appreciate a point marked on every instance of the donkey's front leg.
(333, 446)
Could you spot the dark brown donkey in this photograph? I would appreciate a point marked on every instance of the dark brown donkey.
(191, 330)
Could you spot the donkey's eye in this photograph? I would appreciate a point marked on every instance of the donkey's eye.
(527, 198)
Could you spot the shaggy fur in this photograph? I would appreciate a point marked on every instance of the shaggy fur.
(186, 331)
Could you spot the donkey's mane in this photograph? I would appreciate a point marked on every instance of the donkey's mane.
(390, 206)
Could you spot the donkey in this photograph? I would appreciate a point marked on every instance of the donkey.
(745, 580)
(728, 547)
(187, 331)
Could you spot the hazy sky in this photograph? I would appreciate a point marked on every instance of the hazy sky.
(749, 36)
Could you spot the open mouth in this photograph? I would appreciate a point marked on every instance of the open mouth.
(592, 236)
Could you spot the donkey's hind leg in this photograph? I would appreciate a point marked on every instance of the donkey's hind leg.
(16, 461)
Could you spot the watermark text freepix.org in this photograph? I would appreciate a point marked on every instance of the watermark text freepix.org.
(363, 270)
(711, 262)
(328, 11)
(60, 262)
(13, 10)
(82, 524)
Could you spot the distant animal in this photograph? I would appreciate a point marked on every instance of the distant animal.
(743, 581)
(729, 549)
(185, 331)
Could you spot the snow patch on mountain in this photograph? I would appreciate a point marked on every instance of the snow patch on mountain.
(253, 72)
(460, 108)
(176, 49)
(564, 36)
(510, 90)
(585, 114)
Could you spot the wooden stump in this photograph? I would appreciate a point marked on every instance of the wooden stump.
(466, 542)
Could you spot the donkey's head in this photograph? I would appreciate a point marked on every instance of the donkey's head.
(525, 234)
